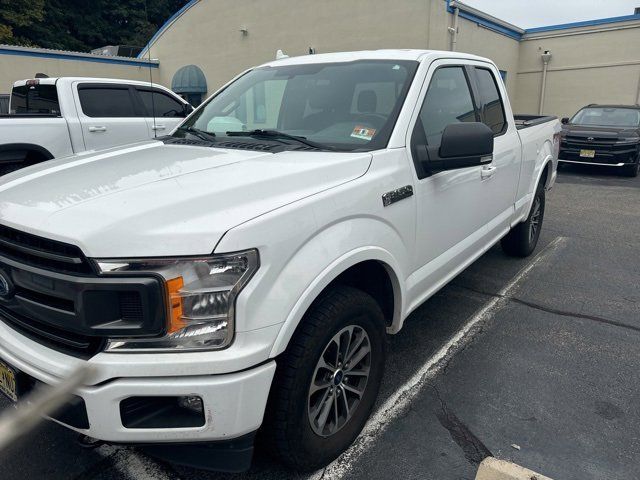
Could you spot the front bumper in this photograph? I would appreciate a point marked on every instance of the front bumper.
(234, 403)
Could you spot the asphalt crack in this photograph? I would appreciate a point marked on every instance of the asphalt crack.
(474, 450)
(555, 311)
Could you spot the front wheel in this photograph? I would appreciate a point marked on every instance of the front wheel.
(327, 381)
(521, 241)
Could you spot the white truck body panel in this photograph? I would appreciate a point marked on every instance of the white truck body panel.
(74, 132)
(311, 215)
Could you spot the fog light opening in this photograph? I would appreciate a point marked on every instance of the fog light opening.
(192, 403)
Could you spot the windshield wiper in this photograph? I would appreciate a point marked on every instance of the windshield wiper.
(201, 134)
(276, 135)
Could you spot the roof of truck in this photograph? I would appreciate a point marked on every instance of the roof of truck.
(54, 80)
(392, 54)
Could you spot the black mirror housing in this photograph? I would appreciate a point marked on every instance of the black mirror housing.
(465, 144)
(466, 140)
(565, 120)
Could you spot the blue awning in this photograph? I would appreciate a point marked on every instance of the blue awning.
(189, 79)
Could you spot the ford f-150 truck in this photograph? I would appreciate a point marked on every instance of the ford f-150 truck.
(241, 273)
(603, 135)
(57, 117)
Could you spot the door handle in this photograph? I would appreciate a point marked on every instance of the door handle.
(487, 171)
(158, 127)
(98, 129)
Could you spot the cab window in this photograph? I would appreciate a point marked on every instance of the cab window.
(492, 106)
(448, 100)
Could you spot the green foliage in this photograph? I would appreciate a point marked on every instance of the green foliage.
(81, 25)
(18, 14)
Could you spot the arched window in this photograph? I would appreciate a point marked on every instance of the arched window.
(190, 83)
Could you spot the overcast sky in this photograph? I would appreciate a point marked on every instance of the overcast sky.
(538, 13)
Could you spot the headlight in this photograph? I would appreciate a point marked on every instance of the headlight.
(200, 297)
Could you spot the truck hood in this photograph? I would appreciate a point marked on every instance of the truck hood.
(153, 199)
(604, 133)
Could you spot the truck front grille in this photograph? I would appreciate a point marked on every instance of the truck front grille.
(58, 339)
(42, 252)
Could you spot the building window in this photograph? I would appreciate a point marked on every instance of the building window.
(190, 83)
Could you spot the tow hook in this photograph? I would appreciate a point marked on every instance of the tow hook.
(89, 442)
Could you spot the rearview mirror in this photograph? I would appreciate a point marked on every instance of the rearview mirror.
(565, 120)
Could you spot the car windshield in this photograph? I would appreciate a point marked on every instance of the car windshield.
(609, 117)
(341, 106)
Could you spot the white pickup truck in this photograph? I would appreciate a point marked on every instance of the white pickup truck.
(242, 272)
(57, 117)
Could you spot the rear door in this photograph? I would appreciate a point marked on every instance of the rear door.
(500, 182)
(169, 111)
(110, 115)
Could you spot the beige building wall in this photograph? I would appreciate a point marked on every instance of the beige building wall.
(476, 39)
(209, 34)
(596, 64)
(19, 67)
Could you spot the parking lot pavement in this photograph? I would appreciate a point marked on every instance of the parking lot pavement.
(546, 360)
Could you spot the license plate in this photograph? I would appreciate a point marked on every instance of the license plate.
(8, 384)
(588, 153)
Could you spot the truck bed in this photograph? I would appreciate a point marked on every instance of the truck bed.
(526, 121)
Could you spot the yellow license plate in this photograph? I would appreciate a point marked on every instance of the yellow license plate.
(8, 382)
(588, 153)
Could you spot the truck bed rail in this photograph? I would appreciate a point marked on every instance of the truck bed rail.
(526, 121)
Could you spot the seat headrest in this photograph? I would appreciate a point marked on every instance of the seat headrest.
(367, 101)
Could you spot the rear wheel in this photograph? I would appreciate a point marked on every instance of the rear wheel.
(327, 381)
(521, 241)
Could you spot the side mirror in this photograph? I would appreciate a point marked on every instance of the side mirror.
(466, 144)
(565, 120)
(188, 108)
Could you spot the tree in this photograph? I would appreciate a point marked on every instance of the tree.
(17, 15)
(80, 25)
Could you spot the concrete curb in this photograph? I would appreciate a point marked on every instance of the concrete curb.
(494, 469)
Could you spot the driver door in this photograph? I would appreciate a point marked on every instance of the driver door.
(451, 210)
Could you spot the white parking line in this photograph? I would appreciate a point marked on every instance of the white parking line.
(397, 403)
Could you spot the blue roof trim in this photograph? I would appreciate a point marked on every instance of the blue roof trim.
(586, 23)
(77, 58)
(161, 30)
(496, 27)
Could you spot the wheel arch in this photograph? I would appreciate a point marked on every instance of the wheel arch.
(6, 151)
(362, 268)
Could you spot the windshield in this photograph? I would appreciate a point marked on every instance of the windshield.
(607, 117)
(342, 106)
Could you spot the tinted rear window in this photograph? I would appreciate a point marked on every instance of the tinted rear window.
(106, 102)
(35, 99)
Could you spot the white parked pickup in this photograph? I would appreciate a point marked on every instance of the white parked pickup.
(57, 117)
(241, 273)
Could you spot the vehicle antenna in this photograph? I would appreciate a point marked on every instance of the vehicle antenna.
(153, 103)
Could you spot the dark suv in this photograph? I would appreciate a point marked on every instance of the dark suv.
(606, 135)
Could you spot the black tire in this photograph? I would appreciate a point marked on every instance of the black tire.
(521, 241)
(632, 170)
(288, 432)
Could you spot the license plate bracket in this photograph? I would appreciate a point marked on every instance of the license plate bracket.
(587, 153)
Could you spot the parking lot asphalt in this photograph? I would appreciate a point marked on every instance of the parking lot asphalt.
(543, 369)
